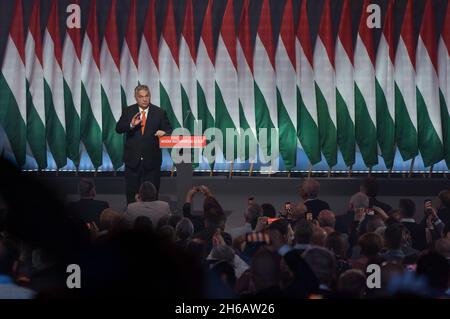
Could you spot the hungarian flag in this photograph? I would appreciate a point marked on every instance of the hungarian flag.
(205, 72)
(384, 89)
(71, 67)
(111, 93)
(187, 70)
(148, 55)
(227, 102)
(91, 92)
(129, 59)
(444, 83)
(169, 72)
(325, 86)
(345, 87)
(307, 121)
(265, 83)
(35, 93)
(55, 114)
(286, 88)
(244, 53)
(405, 88)
(365, 105)
(429, 128)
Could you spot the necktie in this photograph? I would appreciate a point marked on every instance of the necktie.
(143, 120)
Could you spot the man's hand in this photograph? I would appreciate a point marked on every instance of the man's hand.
(205, 190)
(160, 133)
(136, 120)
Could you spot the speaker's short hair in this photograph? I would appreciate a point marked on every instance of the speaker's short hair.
(141, 87)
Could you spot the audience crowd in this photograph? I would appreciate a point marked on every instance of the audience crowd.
(305, 250)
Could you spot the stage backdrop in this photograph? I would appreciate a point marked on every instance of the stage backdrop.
(335, 89)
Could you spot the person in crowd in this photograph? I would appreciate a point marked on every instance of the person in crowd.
(253, 212)
(9, 257)
(337, 243)
(184, 230)
(357, 207)
(198, 220)
(370, 187)
(407, 211)
(87, 207)
(352, 284)
(309, 192)
(268, 210)
(435, 268)
(370, 247)
(323, 264)
(147, 205)
(327, 220)
(444, 206)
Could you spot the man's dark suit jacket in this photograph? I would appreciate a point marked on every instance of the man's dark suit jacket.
(147, 145)
(88, 210)
(315, 206)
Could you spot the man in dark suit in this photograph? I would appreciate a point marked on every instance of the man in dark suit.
(309, 191)
(143, 123)
(87, 208)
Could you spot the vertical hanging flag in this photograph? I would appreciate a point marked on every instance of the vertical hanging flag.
(129, 59)
(265, 81)
(325, 86)
(286, 88)
(444, 83)
(111, 93)
(384, 89)
(187, 70)
(365, 105)
(345, 87)
(13, 87)
(307, 122)
(71, 67)
(244, 53)
(91, 92)
(35, 93)
(148, 55)
(169, 73)
(405, 88)
(429, 128)
(55, 115)
(227, 103)
(205, 72)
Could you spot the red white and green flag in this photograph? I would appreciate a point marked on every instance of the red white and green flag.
(265, 82)
(365, 104)
(129, 59)
(227, 102)
(385, 88)
(148, 55)
(188, 75)
(429, 127)
(307, 120)
(91, 91)
(286, 88)
(35, 93)
(71, 67)
(169, 72)
(55, 114)
(111, 89)
(444, 83)
(325, 86)
(405, 88)
(345, 87)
